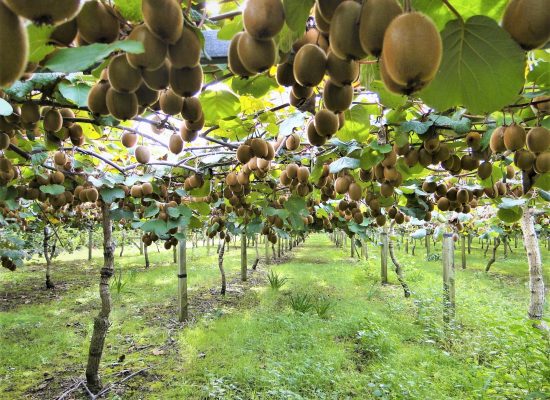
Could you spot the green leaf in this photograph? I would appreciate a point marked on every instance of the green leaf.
(81, 58)
(218, 105)
(5, 107)
(281, 213)
(369, 158)
(109, 195)
(296, 205)
(39, 37)
(381, 148)
(543, 181)
(230, 28)
(544, 194)
(76, 94)
(151, 211)
(387, 98)
(52, 189)
(415, 126)
(357, 123)
(157, 226)
(202, 208)
(507, 203)
(343, 163)
(482, 68)
(296, 13)
(256, 86)
(129, 9)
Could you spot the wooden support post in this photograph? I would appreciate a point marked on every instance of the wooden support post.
(427, 241)
(90, 242)
(266, 244)
(448, 277)
(243, 257)
(463, 250)
(182, 278)
(384, 258)
(407, 245)
(352, 247)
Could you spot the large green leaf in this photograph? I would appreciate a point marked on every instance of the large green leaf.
(130, 9)
(343, 163)
(256, 86)
(39, 37)
(109, 195)
(52, 189)
(482, 68)
(81, 58)
(296, 13)
(218, 105)
(75, 93)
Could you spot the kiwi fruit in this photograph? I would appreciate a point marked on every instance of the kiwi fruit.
(188, 135)
(157, 79)
(292, 142)
(186, 52)
(285, 74)
(147, 189)
(473, 140)
(497, 140)
(303, 174)
(443, 204)
(541, 104)
(164, 18)
(121, 105)
(381, 220)
(312, 36)
(270, 152)
(341, 72)
(97, 98)
(344, 31)
(170, 102)
(326, 122)
(234, 61)
(30, 113)
(321, 22)
(468, 163)
(310, 65)
(256, 55)
(4, 141)
(15, 48)
(514, 137)
(527, 21)
(155, 50)
(355, 192)
(67, 114)
(122, 76)
(259, 147)
(65, 33)
(97, 23)
(129, 139)
(337, 98)
(542, 163)
(53, 121)
(485, 170)
(49, 12)
(186, 82)
(314, 138)
(390, 84)
(412, 50)
(57, 178)
(538, 139)
(302, 92)
(142, 154)
(60, 158)
(196, 125)
(92, 195)
(244, 153)
(175, 144)
(524, 160)
(341, 185)
(146, 96)
(263, 19)
(376, 15)
(191, 109)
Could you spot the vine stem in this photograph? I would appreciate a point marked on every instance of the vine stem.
(454, 11)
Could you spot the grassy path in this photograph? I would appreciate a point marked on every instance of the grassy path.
(371, 343)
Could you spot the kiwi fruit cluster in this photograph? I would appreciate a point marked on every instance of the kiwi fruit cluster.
(141, 190)
(296, 178)
(254, 50)
(194, 181)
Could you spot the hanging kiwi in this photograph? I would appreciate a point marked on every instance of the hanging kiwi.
(164, 18)
(311, 36)
(122, 76)
(175, 144)
(234, 61)
(485, 170)
(524, 160)
(143, 155)
(337, 98)
(321, 22)
(538, 139)
(188, 135)
(244, 153)
(45, 11)
(186, 82)
(155, 50)
(285, 74)
(170, 102)
(191, 109)
(256, 55)
(310, 65)
(292, 142)
(259, 147)
(121, 105)
(344, 31)
(186, 52)
(146, 96)
(263, 19)
(376, 15)
(412, 50)
(97, 98)
(514, 137)
(326, 123)
(30, 113)
(157, 79)
(341, 72)
(129, 139)
(542, 162)
(15, 48)
(4, 141)
(97, 23)
(497, 140)
(53, 121)
(65, 33)
(527, 21)
(327, 8)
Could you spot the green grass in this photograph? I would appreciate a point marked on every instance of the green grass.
(359, 340)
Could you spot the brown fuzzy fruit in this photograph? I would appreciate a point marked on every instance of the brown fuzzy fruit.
(412, 50)
(355, 192)
(542, 163)
(485, 170)
(186, 82)
(186, 52)
(53, 121)
(157, 79)
(538, 139)
(344, 31)
(97, 23)
(170, 103)
(13, 36)
(256, 55)
(292, 142)
(4, 141)
(310, 65)
(164, 18)
(315, 139)
(527, 21)
(473, 140)
(259, 147)
(514, 137)
(337, 98)
(234, 61)
(188, 135)
(497, 140)
(129, 139)
(97, 98)
(285, 74)
(341, 185)
(342, 72)
(49, 12)
(303, 174)
(155, 50)
(376, 15)
(263, 19)
(122, 106)
(60, 158)
(143, 155)
(326, 123)
(136, 191)
(176, 143)
(524, 160)
(443, 204)
(122, 76)
(92, 195)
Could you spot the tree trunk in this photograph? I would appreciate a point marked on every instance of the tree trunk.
(407, 245)
(266, 245)
(243, 257)
(352, 248)
(257, 260)
(448, 277)
(427, 240)
(90, 242)
(101, 322)
(496, 243)
(384, 258)
(47, 236)
(463, 250)
(536, 282)
(183, 312)
(146, 254)
(175, 254)
(398, 269)
(141, 247)
(220, 265)
(469, 243)
(122, 243)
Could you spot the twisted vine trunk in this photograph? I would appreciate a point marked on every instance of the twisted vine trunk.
(90, 242)
(220, 265)
(536, 282)
(398, 269)
(146, 255)
(122, 243)
(47, 256)
(493, 258)
(101, 322)
(257, 260)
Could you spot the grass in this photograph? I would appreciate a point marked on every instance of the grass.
(356, 339)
